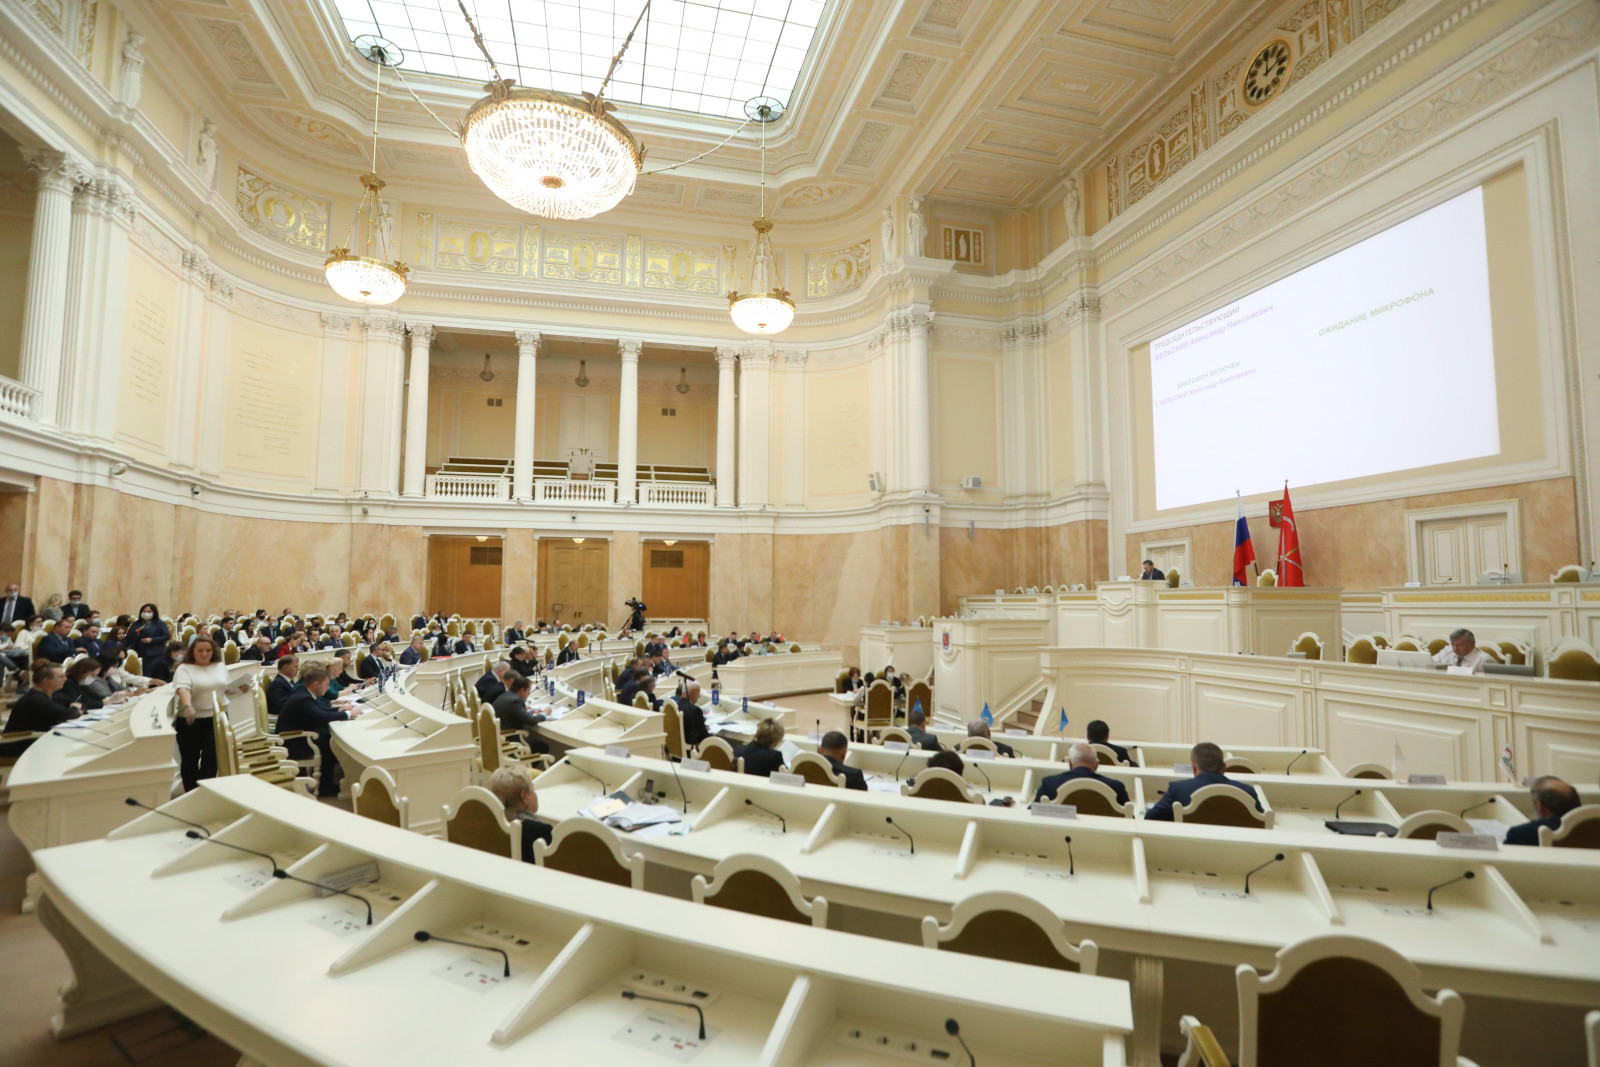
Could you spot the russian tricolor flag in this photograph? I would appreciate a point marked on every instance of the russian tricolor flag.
(1244, 553)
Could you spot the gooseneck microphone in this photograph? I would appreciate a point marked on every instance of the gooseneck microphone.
(628, 994)
(1465, 876)
(1072, 868)
(1292, 762)
(1474, 807)
(85, 740)
(902, 763)
(603, 787)
(281, 873)
(1251, 874)
(197, 836)
(909, 839)
(953, 1028)
(423, 935)
(132, 803)
(781, 821)
(667, 755)
(988, 786)
(1342, 803)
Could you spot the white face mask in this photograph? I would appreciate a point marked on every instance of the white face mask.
(146, 616)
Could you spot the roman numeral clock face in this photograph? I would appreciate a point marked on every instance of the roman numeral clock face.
(1267, 73)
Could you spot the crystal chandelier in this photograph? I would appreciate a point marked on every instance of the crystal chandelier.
(551, 154)
(365, 277)
(766, 308)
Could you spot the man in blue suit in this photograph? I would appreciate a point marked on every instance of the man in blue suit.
(1207, 760)
(306, 710)
(1082, 763)
(57, 643)
(1552, 799)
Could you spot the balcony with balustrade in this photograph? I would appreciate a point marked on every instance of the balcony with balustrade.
(472, 480)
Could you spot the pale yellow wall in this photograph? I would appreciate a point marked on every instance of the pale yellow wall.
(838, 436)
(166, 112)
(16, 237)
(676, 440)
(144, 379)
(1058, 374)
(273, 401)
(968, 425)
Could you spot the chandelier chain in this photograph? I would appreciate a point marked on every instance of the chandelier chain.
(452, 130)
(478, 39)
(702, 155)
(626, 41)
(377, 96)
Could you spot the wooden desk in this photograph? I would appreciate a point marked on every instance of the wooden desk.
(428, 751)
(774, 674)
(290, 978)
(1537, 614)
(909, 649)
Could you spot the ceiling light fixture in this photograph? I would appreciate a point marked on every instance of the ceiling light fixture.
(366, 278)
(766, 308)
(669, 542)
(582, 380)
(683, 380)
(549, 153)
(577, 540)
(486, 374)
(482, 539)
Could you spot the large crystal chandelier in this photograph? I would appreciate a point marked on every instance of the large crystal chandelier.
(766, 308)
(365, 277)
(548, 153)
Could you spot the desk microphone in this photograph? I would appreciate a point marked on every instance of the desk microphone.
(1292, 762)
(1465, 876)
(953, 1028)
(988, 786)
(667, 755)
(1072, 868)
(197, 836)
(913, 842)
(628, 994)
(1269, 863)
(423, 935)
(781, 821)
(603, 787)
(902, 763)
(1345, 801)
(1479, 804)
(132, 803)
(408, 726)
(281, 873)
(85, 740)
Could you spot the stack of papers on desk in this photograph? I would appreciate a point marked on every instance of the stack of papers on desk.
(880, 783)
(635, 816)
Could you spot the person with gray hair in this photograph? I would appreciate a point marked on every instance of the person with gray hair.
(979, 728)
(492, 683)
(1552, 799)
(691, 713)
(1463, 651)
(1082, 763)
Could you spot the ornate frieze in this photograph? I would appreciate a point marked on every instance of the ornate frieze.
(282, 213)
(839, 270)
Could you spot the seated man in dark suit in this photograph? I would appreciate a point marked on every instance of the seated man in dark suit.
(647, 686)
(282, 687)
(1552, 799)
(56, 645)
(917, 727)
(1152, 573)
(629, 684)
(1207, 760)
(261, 650)
(89, 642)
(514, 634)
(833, 747)
(306, 710)
(761, 756)
(75, 608)
(413, 652)
(37, 710)
(979, 728)
(1082, 763)
(568, 654)
(491, 683)
(1099, 734)
(692, 714)
(511, 710)
(521, 661)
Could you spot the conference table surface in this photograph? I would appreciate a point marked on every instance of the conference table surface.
(1527, 926)
(292, 977)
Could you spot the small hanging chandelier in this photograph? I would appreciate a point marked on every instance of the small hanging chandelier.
(766, 308)
(582, 380)
(365, 277)
(486, 374)
(548, 153)
(683, 381)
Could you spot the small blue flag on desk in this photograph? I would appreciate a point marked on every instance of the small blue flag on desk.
(581, 697)
(744, 705)
(917, 707)
(716, 698)
(987, 716)
(1061, 726)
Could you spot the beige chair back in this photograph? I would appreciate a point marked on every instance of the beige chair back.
(1580, 828)
(816, 770)
(1429, 824)
(376, 797)
(1374, 771)
(920, 692)
(986, 743)
(895, 733)
(1241, 765)
(716, 752)
(1092, 798)
(1267, 577)
(1222, 805)
(1107, 756)
(1362, 650)
(1009, 926)
(1309, 643)
(590, 850)
(673, 724)
(759, 885)
(476, 818)
(937, 783)
(1574, 661)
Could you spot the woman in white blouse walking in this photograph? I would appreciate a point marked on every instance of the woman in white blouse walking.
(202, 684)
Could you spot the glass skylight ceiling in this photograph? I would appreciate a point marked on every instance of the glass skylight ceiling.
(705, 56)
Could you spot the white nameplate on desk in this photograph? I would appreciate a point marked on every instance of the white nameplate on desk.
(793, 781)
(1456, 669)
(1012, 731)
(1183, 768)
(1426, 779)
(977, 752)
(620, 751)
(1054, 811)
(896, 746)
(699, 766)
(1474, 842)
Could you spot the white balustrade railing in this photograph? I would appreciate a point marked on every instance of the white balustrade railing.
(563, 491)
(16, 399)
(468, 487)
(678, 494)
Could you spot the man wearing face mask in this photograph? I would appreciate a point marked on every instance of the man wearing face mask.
(75, 608)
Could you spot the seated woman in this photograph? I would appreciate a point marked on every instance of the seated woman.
(77, 692)
(761, 756)
(342, 678)
(513, 785)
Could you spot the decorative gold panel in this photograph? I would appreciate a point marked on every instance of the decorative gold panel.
(965, 245)
(842, 270)
(687, 268)
(280, 212)
(424, 239)
(479, 246)
(530, 250)
(582, 257)
(1166, 152)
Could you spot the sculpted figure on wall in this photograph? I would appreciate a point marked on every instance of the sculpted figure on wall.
(916, 228)
(888, 234)
(205, 155)
(132, 82)
(1074, 207)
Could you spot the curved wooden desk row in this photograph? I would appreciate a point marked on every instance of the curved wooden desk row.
(1298, 801)
(811, 670)
(1049, 745)
(1526, 926)
(291, 976)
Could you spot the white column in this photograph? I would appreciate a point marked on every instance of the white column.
(214, 389)
(628, 422)
(794, 428)
(755, 425)
(44, 312)
(336, 403)
(917, 321)
(382, 393)
(91, 354)
(416, 456)
(188, 350)
(522, 445)
(1024, 431)
(726, 358)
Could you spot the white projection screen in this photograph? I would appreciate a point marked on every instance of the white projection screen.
(1377, 359)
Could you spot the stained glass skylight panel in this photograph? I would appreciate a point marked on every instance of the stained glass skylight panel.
(704, 56)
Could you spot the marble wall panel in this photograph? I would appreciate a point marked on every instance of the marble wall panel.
(13, 536)
(52, 505)
(519, 576)
(626, 574)
(825, 586)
